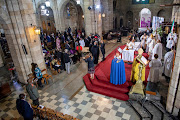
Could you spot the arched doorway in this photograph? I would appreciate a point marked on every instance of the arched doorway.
(121, 22)
(129, 19)
(162, 13)
(72, 16)
(115, 23)
(46, 19)
(145, 18)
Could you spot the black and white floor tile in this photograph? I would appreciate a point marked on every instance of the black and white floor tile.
(84, 105)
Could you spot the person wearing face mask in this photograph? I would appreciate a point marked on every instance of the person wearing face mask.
(32, 90)
(24, 108)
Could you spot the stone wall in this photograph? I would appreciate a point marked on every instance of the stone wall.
(124, 6)
(107, 9)
(173, 99)
(16, 17)
(92, 22)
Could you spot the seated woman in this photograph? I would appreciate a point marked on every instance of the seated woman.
(56, 64)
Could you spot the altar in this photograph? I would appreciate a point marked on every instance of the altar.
(128, 55)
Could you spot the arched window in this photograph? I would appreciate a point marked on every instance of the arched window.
(145, 18)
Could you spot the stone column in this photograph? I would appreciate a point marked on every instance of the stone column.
(1, 57)
(19, 34)
(173, 99)
(92, 19)
(107, 21)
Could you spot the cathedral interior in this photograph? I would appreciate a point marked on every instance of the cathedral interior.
(63, 50)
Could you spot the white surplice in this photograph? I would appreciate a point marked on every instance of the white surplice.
(170, 43)
(172, 35)
(157, 50)
(82, 43)
(155, 65)
(168, 63)
(130, 45)
(148, 43)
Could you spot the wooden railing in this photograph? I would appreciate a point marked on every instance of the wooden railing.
(49, 114)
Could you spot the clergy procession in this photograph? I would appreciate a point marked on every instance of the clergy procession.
(151, 44)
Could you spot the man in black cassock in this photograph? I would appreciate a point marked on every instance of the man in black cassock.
(95, 52)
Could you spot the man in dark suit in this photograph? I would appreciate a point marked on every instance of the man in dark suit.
(95, 52)
(103, 49)
(24, 107)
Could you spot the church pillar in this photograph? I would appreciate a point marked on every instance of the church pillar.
(1, 57)
(107, 21)
(24, 44)
(173, 98)
(92, 18)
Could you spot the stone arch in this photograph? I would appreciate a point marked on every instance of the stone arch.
(145, 17)
(129, 19)
(62, 6)
(47, 23)
(52, 7)
(121, 22)
(162, 13)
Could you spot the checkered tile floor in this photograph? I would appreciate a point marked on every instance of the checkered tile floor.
(85, 105)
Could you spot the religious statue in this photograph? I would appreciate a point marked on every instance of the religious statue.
(138, 73)
(117, 75)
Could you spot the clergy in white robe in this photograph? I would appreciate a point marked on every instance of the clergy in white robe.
(157, 50)
(175, 38)
(172, 35)
(154, 65)
(143, 40)
(151, 46)
(168, 63)
(148, 42)
(131, 44)
(157, 36)
(169, 44)
(82, 43)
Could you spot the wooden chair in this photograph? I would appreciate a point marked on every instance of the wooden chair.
(47, 76)
(54, 72)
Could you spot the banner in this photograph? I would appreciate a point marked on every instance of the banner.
(157, 21)
(145, 20)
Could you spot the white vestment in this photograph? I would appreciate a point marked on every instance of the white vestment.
(148, 43)
(151, 46)
(130, 45)
(157, 36)
(155, 65)
(82, 43)
(168, 63)
(170, 43)
(172, 35)
(157, 50)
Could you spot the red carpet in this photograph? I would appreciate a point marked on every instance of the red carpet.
(101, 82)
